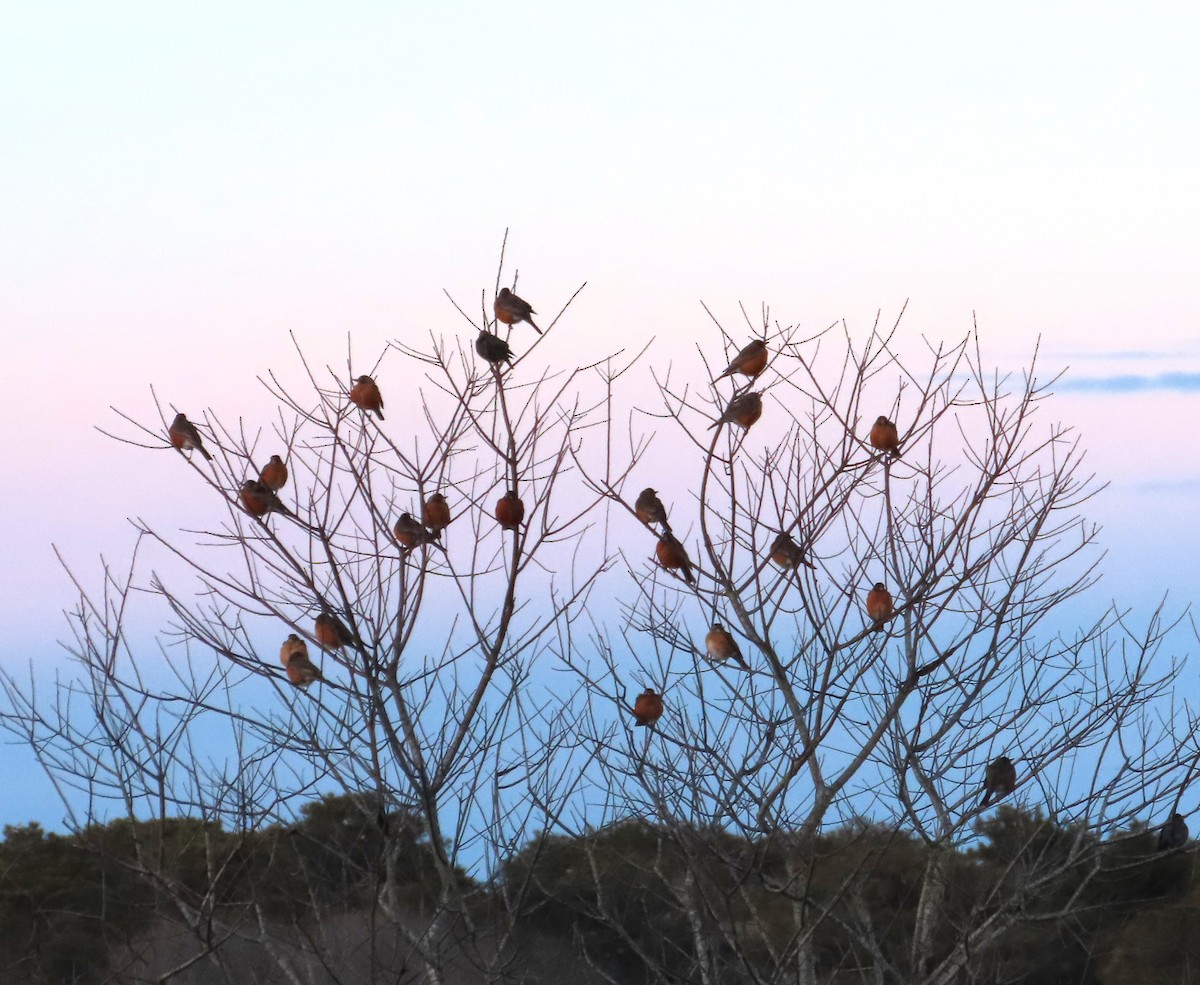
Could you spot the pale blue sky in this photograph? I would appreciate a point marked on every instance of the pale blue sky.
(180, 187)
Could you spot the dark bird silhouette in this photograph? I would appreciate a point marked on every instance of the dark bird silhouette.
(742, 410)
(786, 553)
(258, 500)
(185, 437)
(999, 780)
(365, 393)
(493, 348)
(410, 533)
(1174, 834)
(751, 361)
(436, 512)
(649, 509)
(648, 707)
(512, 310)
(510, 511)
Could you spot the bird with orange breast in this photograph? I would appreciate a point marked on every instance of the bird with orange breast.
(750, 362)
(721, 646)
(365, 393)
(510, 511)
(435, 513)
(879, 604)
(513, 310)
(673, 557)
(185, 437)
(331, 632)
(648, 708)
(493, 349)
(410, 533)
(274, 474)
(786, 553)
(649, 509)
(884, 437)
(301, 671)
(258, 500)
(743, 410)
(999, 780)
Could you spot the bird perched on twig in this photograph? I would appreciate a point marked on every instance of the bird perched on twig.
(435, 512)
(648, 707)
(673, 557)
(274, 474)
(751, 361)
(786, 553)
(999, 780)
(742, 410)
(879, 604)
(510, 511)
(512, 310)
(649, 509)
(258, 500)
(301, 671)
(410, 533)
(1174, 834)
(884, 436)
(493, 348)
(331, 633)
(185, 437)
(365, 393)
(721, 646)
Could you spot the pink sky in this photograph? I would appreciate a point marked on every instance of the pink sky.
(181, 188)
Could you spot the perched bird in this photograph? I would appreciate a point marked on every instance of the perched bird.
(721, 646)
(410, 533)
(743, 410)
(274, 474)
(884, 436)
(259, 500)
(510, 511)
(649, 509)
(366, 394)
(751, 361)
(301, 671)
(648, 707)
(879, 604)
(1174, 834)
(999, 780)
(435, 512)
(672, 556)
(786, 553)
(493, 348)
(331, 633)
(185, 437)
(512, 310)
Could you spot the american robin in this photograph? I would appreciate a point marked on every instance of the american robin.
(721, 646)
(435, 512)
(185, 437)
(274, 474)
(259, 500)
(493, 348)
(879, 604)
(410, 533)
(512, 310)
(751, 361)
(510, 511)
(1174, 834)
(366, 394)
(671, 555)
(294, 656)
(648, 707)
(331, 633)
(884, 436)
(743, 410)
(649, 509)
(786, 553)
(999, 780)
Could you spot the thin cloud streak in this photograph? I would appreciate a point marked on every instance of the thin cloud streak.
(1131, 383)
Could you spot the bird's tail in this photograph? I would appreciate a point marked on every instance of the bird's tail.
(203, 451)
